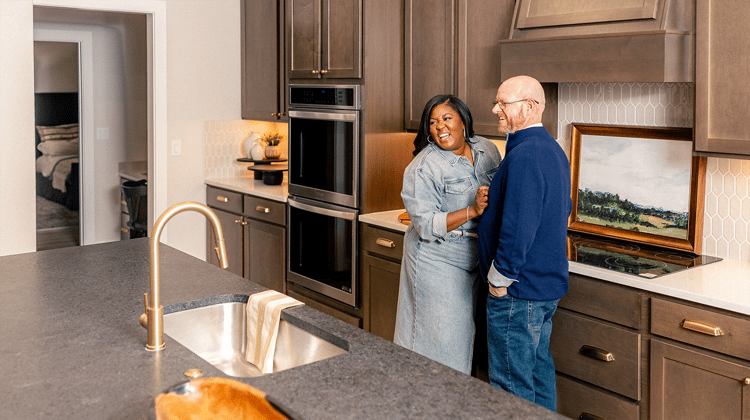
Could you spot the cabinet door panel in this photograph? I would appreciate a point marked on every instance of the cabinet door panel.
(429, 54)
(342, 39)
(265, 253)
(721, 101)
(383, 278)
(481, 24)
(304, 30)
(691, 385)
(230, 225)
(263, 72)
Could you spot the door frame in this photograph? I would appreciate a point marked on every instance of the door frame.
(156, 46)
(85, 119)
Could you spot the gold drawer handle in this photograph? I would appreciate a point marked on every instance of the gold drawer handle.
(263, 209)
(385, 242)
(324, 71)
(124, 230)
(588, 416)
(222, 198)
(701, 327)
(747, 381)
(597, 353)
(123, 202)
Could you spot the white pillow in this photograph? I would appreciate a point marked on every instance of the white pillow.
(59, 147)
(58, 132)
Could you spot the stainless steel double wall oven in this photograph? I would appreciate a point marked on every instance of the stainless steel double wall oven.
(324, 140)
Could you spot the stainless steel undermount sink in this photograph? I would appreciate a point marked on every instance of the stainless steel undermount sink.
(217, 333)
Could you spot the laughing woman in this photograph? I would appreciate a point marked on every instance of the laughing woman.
(444, 191)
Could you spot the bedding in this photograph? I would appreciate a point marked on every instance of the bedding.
(57, 145)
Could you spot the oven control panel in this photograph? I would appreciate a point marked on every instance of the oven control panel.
(325, 96)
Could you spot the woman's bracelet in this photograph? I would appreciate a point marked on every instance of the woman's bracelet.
(467, 214)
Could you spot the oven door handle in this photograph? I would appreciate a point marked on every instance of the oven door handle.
(330, 115)
(322, 210)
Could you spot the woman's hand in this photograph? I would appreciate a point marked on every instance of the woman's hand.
(480, 201)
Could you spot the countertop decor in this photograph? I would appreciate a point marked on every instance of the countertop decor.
(724, 284)
(73, 347)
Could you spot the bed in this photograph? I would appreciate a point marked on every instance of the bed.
(57, 145)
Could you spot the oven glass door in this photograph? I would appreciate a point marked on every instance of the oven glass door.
(324, 155)
(322, 242)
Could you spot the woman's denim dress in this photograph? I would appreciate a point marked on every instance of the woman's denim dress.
(439, 274)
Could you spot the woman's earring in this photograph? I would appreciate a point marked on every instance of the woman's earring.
(429, 138)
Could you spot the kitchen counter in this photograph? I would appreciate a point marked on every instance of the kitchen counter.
(246, 184)
(724, 284)
(72, 347)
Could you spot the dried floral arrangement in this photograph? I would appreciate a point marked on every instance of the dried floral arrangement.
(271, 138)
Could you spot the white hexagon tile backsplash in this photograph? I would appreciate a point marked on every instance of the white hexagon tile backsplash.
(223, 145)
(726, 218)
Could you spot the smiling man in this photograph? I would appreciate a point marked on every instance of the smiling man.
(522, 245)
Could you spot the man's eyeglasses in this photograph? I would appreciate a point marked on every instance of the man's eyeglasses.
(502, 105)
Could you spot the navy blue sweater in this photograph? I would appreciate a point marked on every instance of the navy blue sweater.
(523, 230)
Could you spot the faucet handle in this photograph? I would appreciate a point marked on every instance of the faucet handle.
(145, 302)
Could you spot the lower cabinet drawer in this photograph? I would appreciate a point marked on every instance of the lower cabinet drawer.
(699, 327)
(598, 353)
(579, 401)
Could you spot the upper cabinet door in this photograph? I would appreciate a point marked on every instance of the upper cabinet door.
(452, 47)
(722, 69)
(325, 39)
(430, 55)
(263, 67)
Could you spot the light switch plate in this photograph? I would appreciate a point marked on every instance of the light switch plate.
(176, 147)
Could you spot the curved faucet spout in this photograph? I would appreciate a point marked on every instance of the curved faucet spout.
(152, 300)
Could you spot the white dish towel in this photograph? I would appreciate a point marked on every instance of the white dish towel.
(263, 316)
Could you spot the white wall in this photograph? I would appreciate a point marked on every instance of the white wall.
(203, 83)
(203, 73)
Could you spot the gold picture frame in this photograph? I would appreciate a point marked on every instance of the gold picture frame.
(639, 184)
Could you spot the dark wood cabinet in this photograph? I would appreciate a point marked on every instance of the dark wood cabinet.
(263, 78)
(232, 228)
(265, 242)
(688, 384)
(452, 48)
(720, 125)
(325, 39)
(254, 235)
(670, 359)
(381, 251)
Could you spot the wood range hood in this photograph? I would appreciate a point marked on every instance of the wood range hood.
(594, 41)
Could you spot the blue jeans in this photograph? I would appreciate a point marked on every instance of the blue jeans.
(518, 333)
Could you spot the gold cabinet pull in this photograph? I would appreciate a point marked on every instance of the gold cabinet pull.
(123, 202)
(747, 381)
(273, 114)
(385, 242)
(241, 222)
(701, 327)
(280, 114)
(314, 72)
(597, 353)
(589, 416)
(124, 230)
(324, 71)
(263, 209)
(222, 198)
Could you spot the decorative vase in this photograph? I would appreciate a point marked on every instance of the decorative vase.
(256, 152)
(248, 143)
(273, 152)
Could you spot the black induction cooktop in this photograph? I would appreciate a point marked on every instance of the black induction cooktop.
(627, 257)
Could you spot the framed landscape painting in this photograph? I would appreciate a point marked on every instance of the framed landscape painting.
(640, 184)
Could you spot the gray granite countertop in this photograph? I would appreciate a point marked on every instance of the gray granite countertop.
(72, 347)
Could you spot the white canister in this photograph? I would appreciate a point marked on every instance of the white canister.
(250, 141)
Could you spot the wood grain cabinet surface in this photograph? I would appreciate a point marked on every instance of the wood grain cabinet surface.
(324, 39)
(380, 258)
(681, 360)
(722, 95)
(452, 48)
(254, 234)
(264, 80)
(595, 41)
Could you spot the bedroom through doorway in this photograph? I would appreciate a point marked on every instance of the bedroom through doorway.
(57, 137)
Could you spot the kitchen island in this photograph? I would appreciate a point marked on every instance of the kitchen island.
(72, 347)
